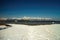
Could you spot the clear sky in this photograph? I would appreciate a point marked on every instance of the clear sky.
(31, 8)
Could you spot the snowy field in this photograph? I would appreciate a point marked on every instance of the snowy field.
(26, 32)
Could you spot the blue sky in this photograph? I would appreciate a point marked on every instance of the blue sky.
(31, 8)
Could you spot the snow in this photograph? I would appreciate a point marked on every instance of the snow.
(28, 32)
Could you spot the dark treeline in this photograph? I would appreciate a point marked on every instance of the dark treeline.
(31, 22)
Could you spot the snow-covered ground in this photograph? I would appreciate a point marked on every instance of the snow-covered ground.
(28, 32)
